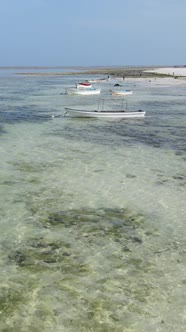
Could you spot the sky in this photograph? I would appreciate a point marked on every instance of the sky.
(92, 33)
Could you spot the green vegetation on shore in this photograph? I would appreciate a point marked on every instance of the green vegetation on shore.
(131, 72)
(120, 72)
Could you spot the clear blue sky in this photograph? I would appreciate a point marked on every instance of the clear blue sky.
(92, 32)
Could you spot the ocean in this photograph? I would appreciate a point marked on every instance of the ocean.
(92, 212)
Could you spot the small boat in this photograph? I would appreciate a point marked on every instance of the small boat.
(123, 114)
(83, 85)
(99, 80)
(83, 92)
(121, 92)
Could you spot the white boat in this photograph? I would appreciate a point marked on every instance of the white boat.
(83, 92)
(121, 92)
(123, 114)
(99, 80)
(84, 85)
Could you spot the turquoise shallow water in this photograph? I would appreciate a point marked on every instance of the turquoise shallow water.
(92, 212)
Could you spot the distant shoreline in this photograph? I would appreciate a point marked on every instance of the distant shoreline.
(135, 71)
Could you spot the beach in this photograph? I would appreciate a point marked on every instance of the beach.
(171, 76)
(174, 71)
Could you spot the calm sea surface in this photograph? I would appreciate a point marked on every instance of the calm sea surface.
(92, 212)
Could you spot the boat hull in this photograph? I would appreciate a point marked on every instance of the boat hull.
(104, 114)
(99, 80)
(121, 93)
(83, 92)
(84, 85)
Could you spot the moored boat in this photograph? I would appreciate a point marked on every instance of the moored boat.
(83, 85)
(99, 80)
(122, 114)
(121, 92)
(83, 92)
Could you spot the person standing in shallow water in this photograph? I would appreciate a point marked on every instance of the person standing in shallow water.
(123, 77)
